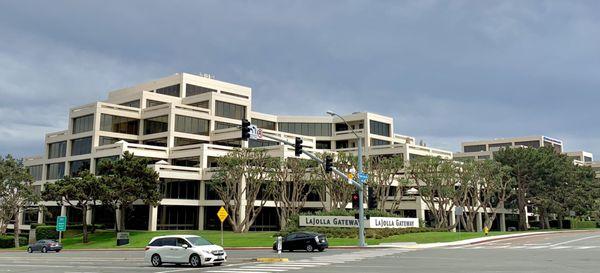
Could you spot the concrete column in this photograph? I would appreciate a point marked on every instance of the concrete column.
(502, 222)
(479, 221)
(201, 218)
(152, 218)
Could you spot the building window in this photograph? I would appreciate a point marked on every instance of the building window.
(186, 162)
(531, 144)
(254, 143)
(156, 125)
(202, 104)
(379, 128)
(57, 149)
(230, 142)
(186, 141)
(81, 146)
(190, 125)
(324, 145)
(234, 94)
(133, 103)
(192, 90)
(265, 124)
(180, 189)
(307, 129)
(474, 148)
(172, 90)
(36, 172)
(341, 127)
(588, 159)
(379, 142)
(76, 167)
(500, 145)
(104, 140)
(152, 103)
(83, 124)
(341, 144)
(117, 124)
(224, 125)
(156, 142)
(483, 157)
(56, 171)
(230, 110)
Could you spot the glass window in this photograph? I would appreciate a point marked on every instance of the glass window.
(83, 124)
(474, 148)
(588, 159)
(199, 241)
(180, 189)
(323, 144)
(57, 149)
(133, 103)
(172, 90)
(224, 125)
(76, 167)
(202, 104)
(190, 125)
(192, 90)
(81, 146)
(500, 145)
(265, 124)
(532, 144)
(253, 143)
(307, 129)
(379, 128)
(341, 144)
(156, 125)
(56, 171)
(117, 124)
(186, 141)
(230, 110)
(36, 172)
(104, 140)
(379, 142)
(152, 103)
(341, 127)
(156, 142)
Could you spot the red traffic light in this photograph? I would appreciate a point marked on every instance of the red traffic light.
(355, 197)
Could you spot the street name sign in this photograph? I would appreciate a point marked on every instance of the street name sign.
(61, 223)
(363, 177)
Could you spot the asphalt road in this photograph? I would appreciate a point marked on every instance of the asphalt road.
(563, 252)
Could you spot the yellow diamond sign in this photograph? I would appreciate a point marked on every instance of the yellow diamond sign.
(222, 214)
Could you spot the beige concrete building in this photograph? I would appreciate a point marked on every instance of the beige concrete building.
(182, 123)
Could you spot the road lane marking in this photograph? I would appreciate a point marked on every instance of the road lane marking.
(576, 240)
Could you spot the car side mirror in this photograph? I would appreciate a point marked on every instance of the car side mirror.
(185, 246)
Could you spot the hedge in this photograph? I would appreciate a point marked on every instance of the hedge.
(46, 232)
(583, 224)
(8, 241)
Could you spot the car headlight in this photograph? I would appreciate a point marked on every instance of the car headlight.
(206, 252)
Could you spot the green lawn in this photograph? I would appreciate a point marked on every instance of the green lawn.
(139, 239)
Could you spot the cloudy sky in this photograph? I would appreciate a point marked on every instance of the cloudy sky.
(447, 71)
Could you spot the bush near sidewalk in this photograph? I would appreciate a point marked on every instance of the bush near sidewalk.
(339, 232)
(8, 241)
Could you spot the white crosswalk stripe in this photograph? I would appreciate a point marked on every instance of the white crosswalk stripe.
(308, 262)
(525, 247)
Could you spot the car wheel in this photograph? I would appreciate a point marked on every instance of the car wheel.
(321, 249)
(218, 264)
(30, 250)
(155, 260)
(58, 250)
(44, 250)
(309, 248)
(195, 260)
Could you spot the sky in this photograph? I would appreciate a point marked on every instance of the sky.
(446, 71)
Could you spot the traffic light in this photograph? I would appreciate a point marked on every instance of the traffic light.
(328, 164)
(298, 146)
(245, 129)
(372, 200)
(355, 201)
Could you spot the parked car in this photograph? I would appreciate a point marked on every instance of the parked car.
(44, 246)
(308, 241)
(184, 249)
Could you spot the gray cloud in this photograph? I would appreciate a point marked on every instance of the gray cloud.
(446, 71)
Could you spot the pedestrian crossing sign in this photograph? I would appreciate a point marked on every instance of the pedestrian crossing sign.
(222, 214)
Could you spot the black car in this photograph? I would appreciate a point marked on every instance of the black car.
(308, 241)
(44, 246)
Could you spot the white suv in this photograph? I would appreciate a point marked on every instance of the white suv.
(183, 249)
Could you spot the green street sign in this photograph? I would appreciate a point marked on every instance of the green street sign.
(61, 223)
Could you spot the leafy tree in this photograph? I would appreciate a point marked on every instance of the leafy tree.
(334, 191)
(293, 182)
(244, 174)
(16, 192)
(383, 178)
(125, 181)
(495, 184)
(78, 192)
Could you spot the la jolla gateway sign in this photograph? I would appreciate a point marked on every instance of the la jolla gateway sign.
(349, 221)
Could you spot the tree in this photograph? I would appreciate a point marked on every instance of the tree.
(125, 181)
(495, 185)
(383, 178)
(16, 192)
(435, 179)
(293, 182)
(243, 175)
(467, 193)
(335, 192)
(78, 192)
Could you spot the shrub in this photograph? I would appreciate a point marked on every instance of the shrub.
(46, 232)
(8, 241)
(583, 224)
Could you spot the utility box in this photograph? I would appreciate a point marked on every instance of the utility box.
(122, 238)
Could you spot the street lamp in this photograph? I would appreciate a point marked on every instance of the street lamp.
(361, 208)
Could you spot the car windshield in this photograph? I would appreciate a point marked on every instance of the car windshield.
(198, 241)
